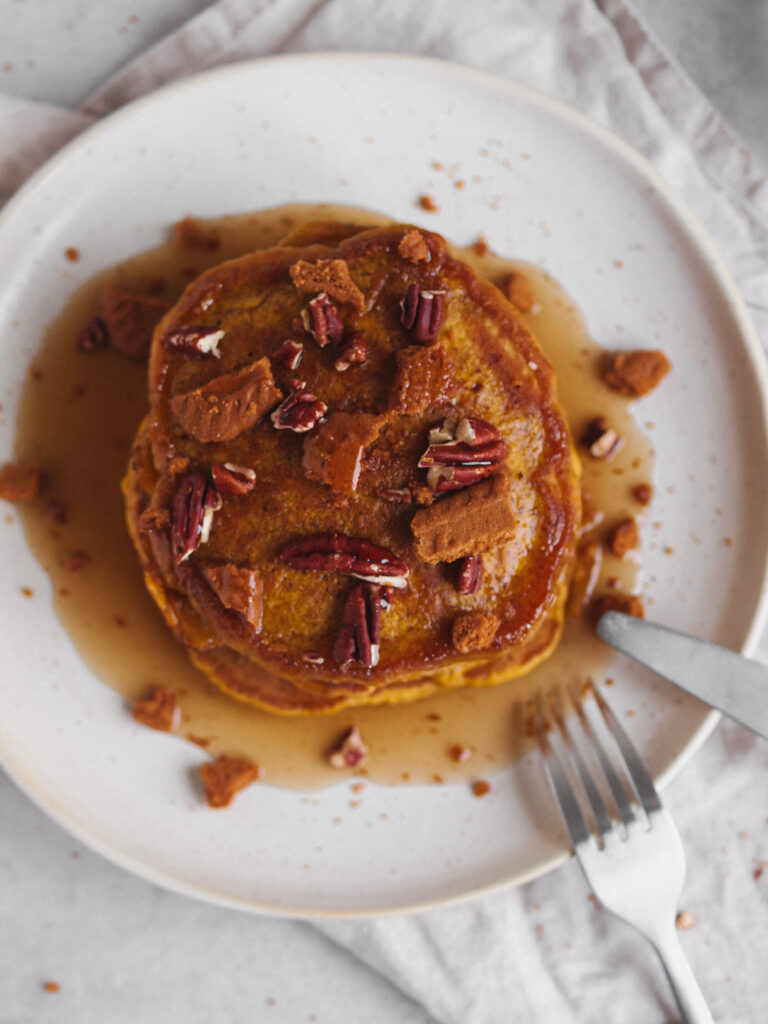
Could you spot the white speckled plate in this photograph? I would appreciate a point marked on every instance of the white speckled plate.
(543, 184)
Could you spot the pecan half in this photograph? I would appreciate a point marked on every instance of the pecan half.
(350, 751)
(359, 636)
(470, 574)
(321, 319)
(351, 350)
(301, 410)
(422, 312)
(201, 341)
(192, 508)
(289, 354)
(350, 556)
(233, 479)
(461, 452)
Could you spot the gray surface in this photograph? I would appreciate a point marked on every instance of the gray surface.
(723, 46)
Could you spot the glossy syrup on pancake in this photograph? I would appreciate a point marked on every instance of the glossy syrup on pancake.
(104, 606)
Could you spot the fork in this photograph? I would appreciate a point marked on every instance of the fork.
(635, 866)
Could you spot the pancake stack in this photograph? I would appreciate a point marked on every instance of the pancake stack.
(354, 484)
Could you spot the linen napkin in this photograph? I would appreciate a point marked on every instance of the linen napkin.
(544, 951)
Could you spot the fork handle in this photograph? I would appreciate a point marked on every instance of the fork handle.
(690, 1001)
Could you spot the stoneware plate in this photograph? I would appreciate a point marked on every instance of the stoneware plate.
(543, 184)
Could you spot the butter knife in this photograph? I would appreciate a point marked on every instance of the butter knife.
(733, 684)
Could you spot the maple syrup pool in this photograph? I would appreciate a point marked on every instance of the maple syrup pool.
(78, 416)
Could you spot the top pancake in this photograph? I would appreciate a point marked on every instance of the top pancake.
(339, 477)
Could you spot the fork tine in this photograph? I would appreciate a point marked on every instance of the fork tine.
(593, 796)
(614, 783)
(634, 763)
(574, 819)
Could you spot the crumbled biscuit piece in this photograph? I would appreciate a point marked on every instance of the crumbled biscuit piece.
(192, 234)
(424, 378)
(684, 921)
(474, 631)
(636, 373)
(226, 406)
(225, 777)
(413, 247)
(329, 276)
(130, 320)
(153, 519)
(239, 589)
(159, 709)
(624, 536)
(429, 203)
(333, 452)
(75, 560)
(630, 604)
(643, 493)
(481, 787)
(20, 481)
(478, 518)
(519, 292)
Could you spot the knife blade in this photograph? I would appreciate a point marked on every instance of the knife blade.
(730, 682)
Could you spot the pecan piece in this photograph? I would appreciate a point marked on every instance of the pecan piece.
(461, 452)
(201, 341)
(321, 319)
(470, 574)
(350, 751)
(289, 354)
(359, 637)
(233, 479)
(351, 350)
(192, 508)
(93, 336)
(602, 441)
(422, 312)
(350, 556)
(300, 411)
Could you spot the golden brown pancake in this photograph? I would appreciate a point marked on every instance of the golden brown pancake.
(355, 484)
